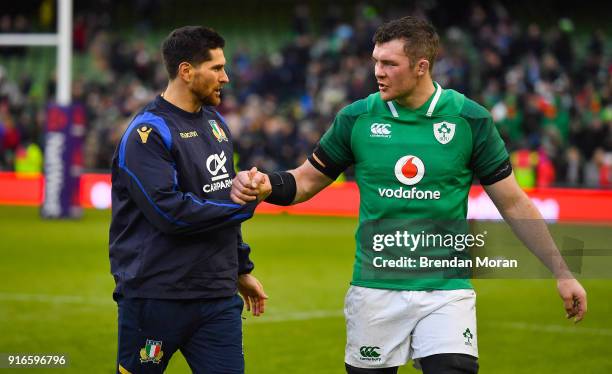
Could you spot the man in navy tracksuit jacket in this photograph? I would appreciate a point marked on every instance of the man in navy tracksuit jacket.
(176, 248)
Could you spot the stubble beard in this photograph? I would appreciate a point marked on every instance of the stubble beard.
(208, 100)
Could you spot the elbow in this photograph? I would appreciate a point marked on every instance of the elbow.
(167, 227)
(305, 192)
(521, 207)
(304, 195)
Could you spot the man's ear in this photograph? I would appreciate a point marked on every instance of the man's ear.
(185, 71)
(422, 67)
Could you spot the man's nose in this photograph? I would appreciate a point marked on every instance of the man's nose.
(224, 78)
(378, 71)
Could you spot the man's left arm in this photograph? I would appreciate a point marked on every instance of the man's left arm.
(249, 287)
(529, 226)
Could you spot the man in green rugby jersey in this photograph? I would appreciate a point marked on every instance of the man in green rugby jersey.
(416, 148)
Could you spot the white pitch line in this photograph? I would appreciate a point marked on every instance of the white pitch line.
(274, 317)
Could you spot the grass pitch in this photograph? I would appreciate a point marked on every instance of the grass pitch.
(56, 297)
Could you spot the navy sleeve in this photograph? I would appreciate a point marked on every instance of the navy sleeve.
(148, 171)
(245, 265)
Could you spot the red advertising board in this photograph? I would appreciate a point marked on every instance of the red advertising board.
(340, 199)
(24, 189)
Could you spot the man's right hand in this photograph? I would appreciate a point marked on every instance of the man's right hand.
(250, 185)
(574, 298)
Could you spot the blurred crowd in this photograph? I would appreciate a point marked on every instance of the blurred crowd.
(548, 88)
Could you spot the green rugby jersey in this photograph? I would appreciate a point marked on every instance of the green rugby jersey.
(413, 165)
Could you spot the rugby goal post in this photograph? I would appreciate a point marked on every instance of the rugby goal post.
(65, 123)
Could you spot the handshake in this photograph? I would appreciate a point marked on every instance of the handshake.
(249, 186)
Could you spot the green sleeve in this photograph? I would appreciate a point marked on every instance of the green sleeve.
(336, 142)
(488, 149)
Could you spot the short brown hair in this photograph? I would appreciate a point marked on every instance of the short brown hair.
(420, 38)
(190, 44)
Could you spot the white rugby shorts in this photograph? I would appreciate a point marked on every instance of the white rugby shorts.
(386, 328)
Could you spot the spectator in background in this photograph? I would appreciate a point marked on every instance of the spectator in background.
(28, 159)
(79, 34)
(570, 168)
(9, 136)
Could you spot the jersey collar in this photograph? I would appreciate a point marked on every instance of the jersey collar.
(430, 104)
(173, 108)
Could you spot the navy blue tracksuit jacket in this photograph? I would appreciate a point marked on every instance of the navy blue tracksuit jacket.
(175, 233)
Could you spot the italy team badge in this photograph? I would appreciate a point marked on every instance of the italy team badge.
(151, 352)
(444, 131)
(217, 131)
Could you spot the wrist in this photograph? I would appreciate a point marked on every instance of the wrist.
(283, 188)
(564, 276)
(563, 273)
(266, 192)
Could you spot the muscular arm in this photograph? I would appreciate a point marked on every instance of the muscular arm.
(309, 181)
(527, 223)
(253, 185)
(529, 226)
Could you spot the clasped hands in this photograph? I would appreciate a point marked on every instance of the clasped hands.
(250, 185)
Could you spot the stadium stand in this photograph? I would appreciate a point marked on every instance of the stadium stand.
(548, 86)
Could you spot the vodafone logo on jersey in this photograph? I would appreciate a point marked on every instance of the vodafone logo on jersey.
(409, 170)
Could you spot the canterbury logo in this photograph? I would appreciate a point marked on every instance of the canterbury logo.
(380, 129)
(369, 351)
